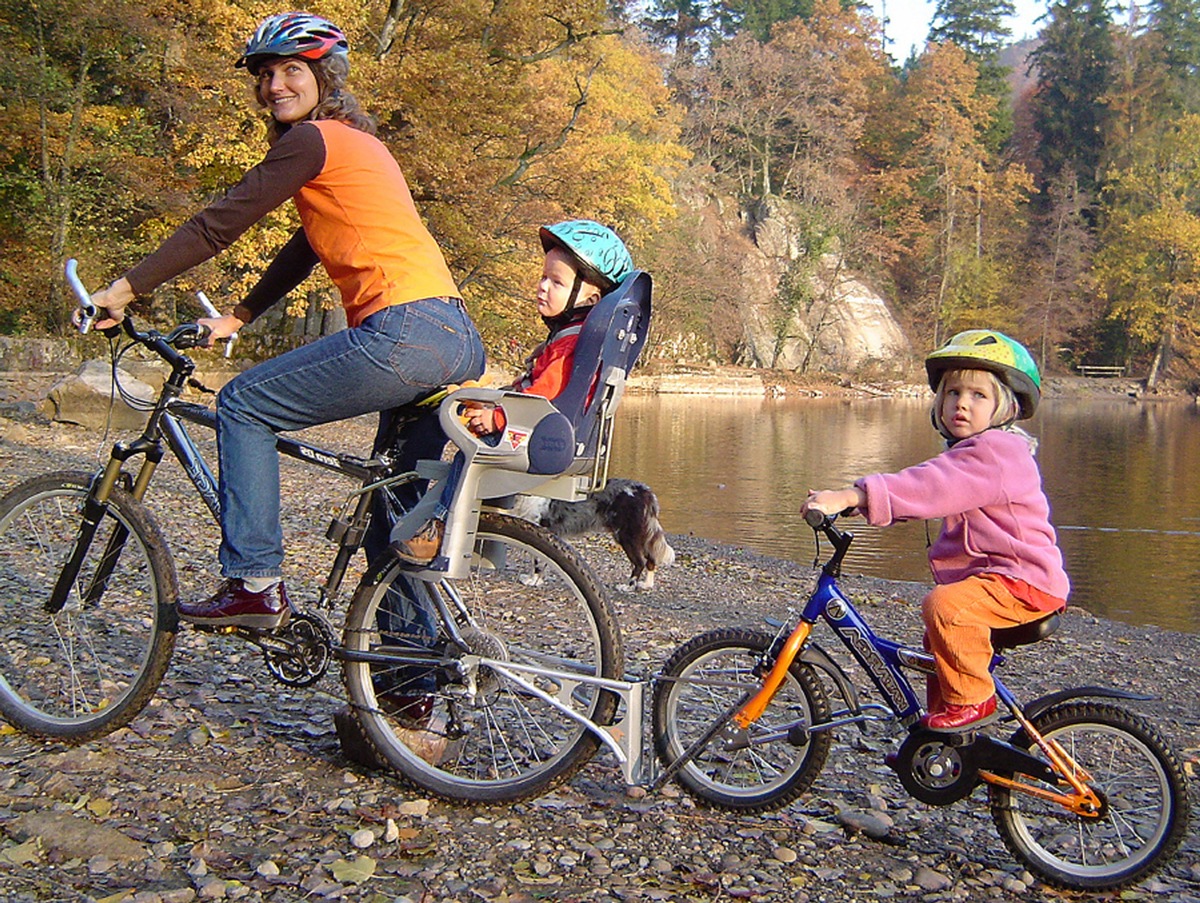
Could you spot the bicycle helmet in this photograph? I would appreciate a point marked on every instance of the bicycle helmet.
(293, 34)
(601, 256)
(986, 349)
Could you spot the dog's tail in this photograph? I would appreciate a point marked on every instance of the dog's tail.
(660, 550)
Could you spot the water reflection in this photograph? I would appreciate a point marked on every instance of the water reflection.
(1124, 498)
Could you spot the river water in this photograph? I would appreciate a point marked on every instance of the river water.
(1123, 478)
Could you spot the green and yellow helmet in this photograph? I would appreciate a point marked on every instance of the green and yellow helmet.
(986, 349)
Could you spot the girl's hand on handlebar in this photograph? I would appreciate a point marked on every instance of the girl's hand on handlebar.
(834, 501)
(220, 327)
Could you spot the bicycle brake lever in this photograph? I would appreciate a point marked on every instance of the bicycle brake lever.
(216, 315)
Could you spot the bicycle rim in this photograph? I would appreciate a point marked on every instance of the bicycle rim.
(467, 730)
(1145, 812)
(91, 667)
(706, 678)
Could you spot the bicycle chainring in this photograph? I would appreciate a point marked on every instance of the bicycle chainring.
(299, 653)
(933, 770)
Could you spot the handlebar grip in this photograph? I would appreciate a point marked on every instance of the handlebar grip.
(211, 310)
(87, 309)
(814, 518)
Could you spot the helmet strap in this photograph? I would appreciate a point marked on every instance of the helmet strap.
(574, 296)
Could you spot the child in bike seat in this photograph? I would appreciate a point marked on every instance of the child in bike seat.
(584, 260)
(996, 561)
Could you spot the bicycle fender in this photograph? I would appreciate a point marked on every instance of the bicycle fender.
(1042, 703)
(814, 655)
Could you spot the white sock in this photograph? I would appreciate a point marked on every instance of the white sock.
(260, 584)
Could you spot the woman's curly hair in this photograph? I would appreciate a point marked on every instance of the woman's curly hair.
(335, 101)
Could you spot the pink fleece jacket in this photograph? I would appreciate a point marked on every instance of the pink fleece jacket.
(996, 519)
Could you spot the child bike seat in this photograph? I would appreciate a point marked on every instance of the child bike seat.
(1024, 634)
(571, 434)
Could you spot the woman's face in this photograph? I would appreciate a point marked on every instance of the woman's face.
(288, 88)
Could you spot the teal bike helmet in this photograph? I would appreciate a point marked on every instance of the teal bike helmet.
(293, 34)
(600, 256)
(986, 349)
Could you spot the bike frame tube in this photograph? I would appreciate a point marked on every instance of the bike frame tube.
(880, 658)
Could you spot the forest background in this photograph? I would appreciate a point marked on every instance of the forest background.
(1051, 189)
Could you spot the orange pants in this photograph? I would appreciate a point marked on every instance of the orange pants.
(959, 618)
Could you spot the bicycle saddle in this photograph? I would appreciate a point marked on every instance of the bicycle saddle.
(1024, 634)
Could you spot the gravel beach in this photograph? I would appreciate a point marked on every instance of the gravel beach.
(230, 786)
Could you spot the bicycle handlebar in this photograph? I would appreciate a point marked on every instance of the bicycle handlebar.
(182, 337)
(88, 311)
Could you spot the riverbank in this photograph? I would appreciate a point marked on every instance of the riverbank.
(232, 787)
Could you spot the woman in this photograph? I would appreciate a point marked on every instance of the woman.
(408, 330)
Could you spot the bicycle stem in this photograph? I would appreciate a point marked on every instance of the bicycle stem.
(752, 710)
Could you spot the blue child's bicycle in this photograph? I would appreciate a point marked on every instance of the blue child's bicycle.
(1087, 794)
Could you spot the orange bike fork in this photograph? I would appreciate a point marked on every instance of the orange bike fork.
(753, 709)
(1083, 801)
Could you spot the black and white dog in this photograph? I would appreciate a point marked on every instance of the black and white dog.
(626, 509)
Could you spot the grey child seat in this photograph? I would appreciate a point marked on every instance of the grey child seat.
(556, 448)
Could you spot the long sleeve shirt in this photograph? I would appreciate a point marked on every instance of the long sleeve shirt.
(358, 220)
(996, 518)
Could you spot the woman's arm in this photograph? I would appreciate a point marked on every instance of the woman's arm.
(295, 159)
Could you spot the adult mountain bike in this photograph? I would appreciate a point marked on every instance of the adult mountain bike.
(469, 686)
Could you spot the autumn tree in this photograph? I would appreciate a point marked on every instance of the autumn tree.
(1148, 269)
(948, 204)
(978, 27)
(1059, 306)
(75, 152)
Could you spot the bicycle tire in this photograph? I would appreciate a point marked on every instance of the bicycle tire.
(704, 679)
(91, 667)
(1137, 774)
(491, 741)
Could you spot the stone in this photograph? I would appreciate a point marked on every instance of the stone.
(87, 397)
(75, 837)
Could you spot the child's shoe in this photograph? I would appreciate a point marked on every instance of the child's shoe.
(954, 718)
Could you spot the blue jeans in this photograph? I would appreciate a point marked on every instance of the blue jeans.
(394, 356)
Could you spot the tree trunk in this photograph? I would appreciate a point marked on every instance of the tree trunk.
(1162, 356)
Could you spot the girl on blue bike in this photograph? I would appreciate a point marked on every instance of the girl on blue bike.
(996, 561)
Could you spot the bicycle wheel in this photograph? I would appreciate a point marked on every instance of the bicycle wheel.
(747, 771)
(92, 666)
(464, 730)
(1145, 811)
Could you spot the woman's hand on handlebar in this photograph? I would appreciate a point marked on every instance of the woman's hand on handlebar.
(834, 501)
(113, 301)
(221, 327)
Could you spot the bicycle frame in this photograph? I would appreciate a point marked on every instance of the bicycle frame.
(884, 662)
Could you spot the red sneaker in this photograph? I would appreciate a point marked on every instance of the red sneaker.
(232, 605)
(954, 718)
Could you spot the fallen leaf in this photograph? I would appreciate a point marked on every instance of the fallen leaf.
(26, 853)
(353, 872)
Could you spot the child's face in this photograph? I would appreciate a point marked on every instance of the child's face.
(968, 404)
(554, 289)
